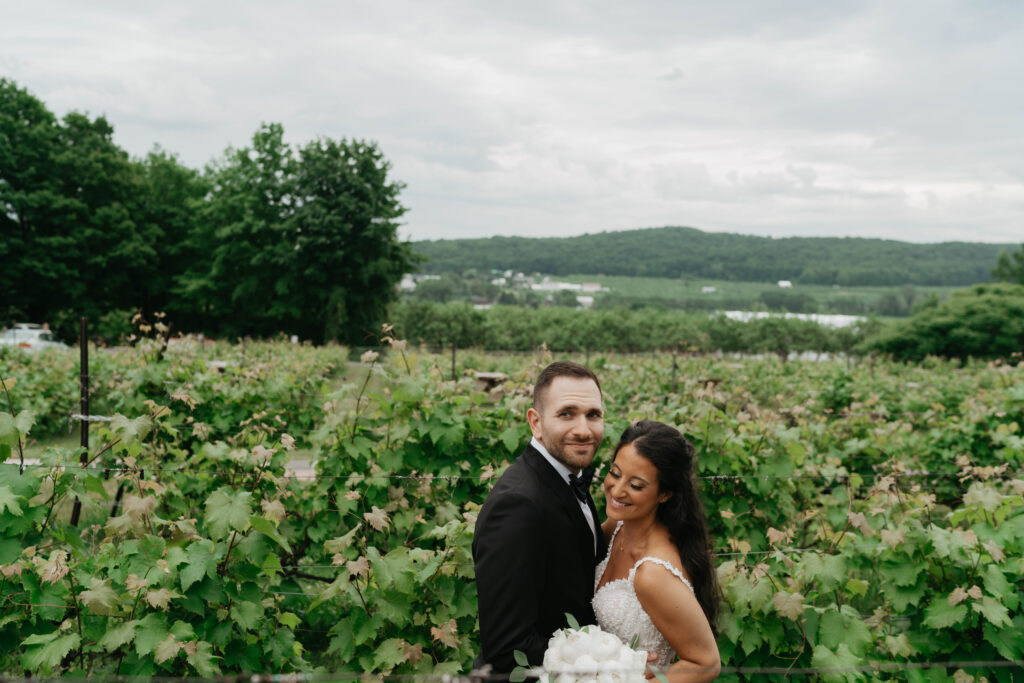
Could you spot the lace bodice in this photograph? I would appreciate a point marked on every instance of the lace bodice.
(619, 611)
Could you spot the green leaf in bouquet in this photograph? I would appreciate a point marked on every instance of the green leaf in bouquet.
(571, 620)
(520, 658)
(517, 675)
(634, 641)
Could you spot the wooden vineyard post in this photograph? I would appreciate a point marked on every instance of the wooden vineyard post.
(83, 381)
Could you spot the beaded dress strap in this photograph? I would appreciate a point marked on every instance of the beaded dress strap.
(666, 565)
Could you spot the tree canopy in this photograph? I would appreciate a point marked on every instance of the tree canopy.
(985, 321)
(677, 252)
(267, 239)
(1010, 267)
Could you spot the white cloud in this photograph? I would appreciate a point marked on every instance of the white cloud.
(543, 118)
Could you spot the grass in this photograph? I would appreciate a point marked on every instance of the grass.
(728, 292)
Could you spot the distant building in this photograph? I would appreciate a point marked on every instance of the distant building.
(785, 284)
(408, 284)
(708, 290)
(585, 301)
(549, 285)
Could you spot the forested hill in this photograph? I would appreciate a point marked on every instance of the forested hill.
(688, 252)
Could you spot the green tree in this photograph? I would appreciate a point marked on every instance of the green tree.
(69, 238)
(299, 242)
(166, 205)
(29, 198)
(985, 321)
(1010, 267)
(347, 258)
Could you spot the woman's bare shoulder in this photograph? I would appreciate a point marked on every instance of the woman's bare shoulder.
(651, 576)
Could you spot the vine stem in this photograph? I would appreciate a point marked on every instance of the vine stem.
(78, 619)
(359, 399)
(231, 546)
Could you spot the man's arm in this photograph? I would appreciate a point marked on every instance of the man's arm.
(509, 568)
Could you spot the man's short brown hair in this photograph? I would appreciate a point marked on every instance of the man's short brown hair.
(561, 368)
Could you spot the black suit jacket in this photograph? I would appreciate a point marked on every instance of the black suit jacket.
(535, 558)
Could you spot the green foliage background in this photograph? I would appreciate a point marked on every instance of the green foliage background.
(677, 252)
(267, 239)
(860, 513)
(985, 321)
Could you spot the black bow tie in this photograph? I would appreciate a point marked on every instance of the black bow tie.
(579, 487)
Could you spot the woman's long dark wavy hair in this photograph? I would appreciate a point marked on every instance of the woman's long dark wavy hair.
(683, 513)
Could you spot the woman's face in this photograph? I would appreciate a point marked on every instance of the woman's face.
(631, 486)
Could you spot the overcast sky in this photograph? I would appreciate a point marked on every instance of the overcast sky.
(875, 119)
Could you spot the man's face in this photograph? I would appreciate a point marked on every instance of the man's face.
(569, 421)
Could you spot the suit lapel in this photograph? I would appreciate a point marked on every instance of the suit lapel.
(560, 491)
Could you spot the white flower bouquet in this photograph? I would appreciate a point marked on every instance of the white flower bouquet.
(590, 655)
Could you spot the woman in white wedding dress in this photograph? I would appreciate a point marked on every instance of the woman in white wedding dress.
(657, 581)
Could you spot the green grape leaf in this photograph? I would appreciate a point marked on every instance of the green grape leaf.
(267, 528)
(203, 660)
(1007, 641)
(994, 612)
(119, 635)
(131, 430)
(200, 563)
(49, 656)
(167, 648)
(941, 614)
(149, 632)
(388, 655)
(227, 509)
(99, 598)
(510, 438)
(12, 429)
(288, 619)
(840, 658)
(996, 584)
(9, 501)
(247, 614)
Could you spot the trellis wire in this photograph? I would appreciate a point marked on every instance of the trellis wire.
(839, 477)
(481, 676)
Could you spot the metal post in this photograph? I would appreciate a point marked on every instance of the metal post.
(83, 381)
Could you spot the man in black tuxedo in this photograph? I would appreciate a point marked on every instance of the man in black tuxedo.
(538, 537)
